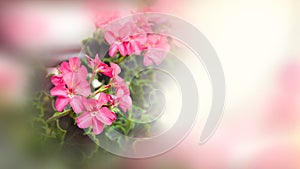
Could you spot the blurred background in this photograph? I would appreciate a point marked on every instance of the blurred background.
(257, 43)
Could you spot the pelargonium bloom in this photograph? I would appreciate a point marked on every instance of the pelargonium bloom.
(116, 70)
(100, 67)
(57, 80)
(156, 47)
(117, 80)
(70, 85)
(142, 21)
(96, 115)
(73, 67)
(136, 39)
(126, 39)
(122, 92)
(115, 35)
(123, 97)
(71, 93)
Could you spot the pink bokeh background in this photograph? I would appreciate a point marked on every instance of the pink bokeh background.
(259, 51)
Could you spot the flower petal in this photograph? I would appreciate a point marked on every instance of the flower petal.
(84, 120)
(110, 37)
(57, 80)
(74, 63)
(64, 68)
(59, 91)
(61, 103)
(97, 126)
(106, 116)
(122, 49)
(83, 89)
(125, 103)
(154, 56)
(108, 72)
(82, 73)
(89, 104)
(116, 69)
(77, 104)
(113, 50)
(102, 99)
(141, 38)
(125, 30)
(71, 80)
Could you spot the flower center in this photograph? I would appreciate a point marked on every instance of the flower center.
(71, 93)
(93, 113)
(118, 42)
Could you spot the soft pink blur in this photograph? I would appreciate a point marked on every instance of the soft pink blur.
(13, 80)
(260, 133)
(19, 26)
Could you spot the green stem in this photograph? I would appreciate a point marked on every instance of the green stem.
(121, 59)
(102, 89)
(58, 115)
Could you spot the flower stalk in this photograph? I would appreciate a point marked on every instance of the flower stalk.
(58, 115)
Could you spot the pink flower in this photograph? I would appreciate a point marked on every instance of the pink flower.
(110, 99)
(136, 39)
(126, 39)
(122, 92)
(123, 98)
(100, 67)
(117, 80)
(115, 35)
(155, 56)
(71, 93)
(57, 80)
(157, 47)
(96, 115)
(116, 70)
(73, 67)
(143, 22)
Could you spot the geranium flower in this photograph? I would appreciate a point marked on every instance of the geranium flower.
(126, 39)
(100, 67)
(122, 92)
(122, 95)
(115, 35)
(156, 47)
(71, 93)
(143, 21)
(116, 70)
(73, 66)
(123, 98)
(57, 80)
(117, 80)
(136, 39)
(96, 115)
(154, 56)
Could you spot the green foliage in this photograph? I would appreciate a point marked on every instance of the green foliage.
(46, 130)
(57, 132)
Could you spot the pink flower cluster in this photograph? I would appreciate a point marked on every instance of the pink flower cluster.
(71, 87)
(136, 36)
